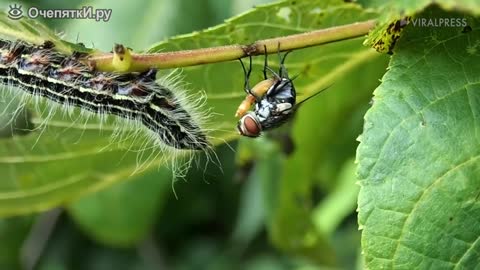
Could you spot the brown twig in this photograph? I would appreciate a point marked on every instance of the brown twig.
(141, 62)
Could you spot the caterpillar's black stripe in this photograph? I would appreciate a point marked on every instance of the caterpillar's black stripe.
(66, 94)
(72, 96)
(39, 70)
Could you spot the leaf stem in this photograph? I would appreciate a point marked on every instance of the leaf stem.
(141, 62)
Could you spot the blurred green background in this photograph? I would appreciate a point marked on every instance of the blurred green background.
(286, 200)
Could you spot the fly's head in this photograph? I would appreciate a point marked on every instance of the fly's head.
(249, 125)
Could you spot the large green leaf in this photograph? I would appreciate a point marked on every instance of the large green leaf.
(419, 155)
(30, 164)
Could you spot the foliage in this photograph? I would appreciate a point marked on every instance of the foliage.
(284, 200)
(417, 157)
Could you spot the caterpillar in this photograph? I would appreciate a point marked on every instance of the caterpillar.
(41, 71)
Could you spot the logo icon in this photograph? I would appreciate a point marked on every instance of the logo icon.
(15, 12)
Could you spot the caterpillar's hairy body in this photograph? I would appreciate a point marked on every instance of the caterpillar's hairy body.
(41, 71)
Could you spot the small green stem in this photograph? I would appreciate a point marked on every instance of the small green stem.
(141, 62)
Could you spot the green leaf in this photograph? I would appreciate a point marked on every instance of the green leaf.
(68, 158)
(418, 157)
(30, 164)
(57, 169)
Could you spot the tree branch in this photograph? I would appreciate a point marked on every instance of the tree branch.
(141, 62)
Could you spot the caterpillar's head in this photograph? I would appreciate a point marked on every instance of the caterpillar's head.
(249, 125)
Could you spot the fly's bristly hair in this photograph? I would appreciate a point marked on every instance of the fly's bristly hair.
(170, 118)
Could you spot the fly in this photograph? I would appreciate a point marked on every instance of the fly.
(274, 99)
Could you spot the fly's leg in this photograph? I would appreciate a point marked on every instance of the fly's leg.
(246, 73)
(266, 67)
(283, 70)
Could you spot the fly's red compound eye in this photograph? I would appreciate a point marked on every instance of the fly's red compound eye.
(249, 126)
